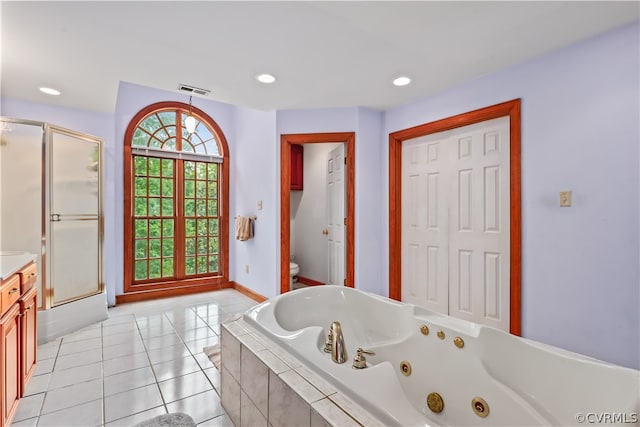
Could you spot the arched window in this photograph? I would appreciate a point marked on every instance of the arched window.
(176, 200)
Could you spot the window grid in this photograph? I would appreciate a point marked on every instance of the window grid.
(154, 218)
(201, 218)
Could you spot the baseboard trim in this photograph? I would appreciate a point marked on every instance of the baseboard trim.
(248, 292)
(309, 282)
(174, 292)
(171, 292)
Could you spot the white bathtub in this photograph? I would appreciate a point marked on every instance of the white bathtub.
(523, 382)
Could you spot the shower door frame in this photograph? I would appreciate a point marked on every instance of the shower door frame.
(47, 289)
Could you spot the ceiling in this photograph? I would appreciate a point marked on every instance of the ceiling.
(324, 54)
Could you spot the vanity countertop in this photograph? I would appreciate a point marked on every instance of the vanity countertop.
(12, 261)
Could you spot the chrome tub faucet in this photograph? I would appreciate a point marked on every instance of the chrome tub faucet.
(335, 343)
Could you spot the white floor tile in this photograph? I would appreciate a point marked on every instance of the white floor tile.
(31, 422)
(163, 341)
(197, 334)
(79, 374)
(185, 386)
(203, 360)
(214, 377)
(125, 363)
(44, 366)
(128, 380)
(165, 354)
(119, 328)
(131, 402)
(51, 343)
(220, 421)
(175, 368)
(139, 417)
(48, 352)
(29, 407)
(118, 319)
(120, 350)
(37, 384)
(201, 407)
(78, 359)
(86, 414)
(207, 310)
(197, 345)
(76, 394)
(157, 331)
(79, 346)
(182, 327)
(122, 338)
(83, 334)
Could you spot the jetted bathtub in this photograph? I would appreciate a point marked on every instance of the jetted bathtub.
(482, 376)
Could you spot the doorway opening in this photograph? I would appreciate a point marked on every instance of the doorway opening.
(287, 141)
(509, 109)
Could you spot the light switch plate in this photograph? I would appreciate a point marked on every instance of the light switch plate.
(259, 205)
(565, 198)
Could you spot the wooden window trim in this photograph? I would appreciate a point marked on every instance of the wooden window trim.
(203, 282)
(510, 109)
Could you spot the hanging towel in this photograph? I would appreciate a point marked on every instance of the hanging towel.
(244, 228)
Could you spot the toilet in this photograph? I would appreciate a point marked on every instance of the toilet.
(294, 269)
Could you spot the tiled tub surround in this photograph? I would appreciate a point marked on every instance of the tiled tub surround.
(263, 385)
(522, 382)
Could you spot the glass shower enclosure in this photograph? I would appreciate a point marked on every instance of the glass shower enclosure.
(51, 206)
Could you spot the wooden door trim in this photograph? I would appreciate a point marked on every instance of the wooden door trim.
(286, 140)
(510, 109)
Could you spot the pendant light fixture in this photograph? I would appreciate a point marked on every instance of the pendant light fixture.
(190, 121)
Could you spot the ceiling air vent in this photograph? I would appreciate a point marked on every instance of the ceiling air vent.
(193, 89)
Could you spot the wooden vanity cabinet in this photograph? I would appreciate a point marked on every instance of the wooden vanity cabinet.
(28, 336)
(10, 363)
(18, 338)
(296, 167)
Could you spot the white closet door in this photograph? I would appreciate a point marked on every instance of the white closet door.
(480, 224)
(425, 240)
(456, 222)
(336, 215)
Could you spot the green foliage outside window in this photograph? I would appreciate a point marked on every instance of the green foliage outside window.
(155, 209)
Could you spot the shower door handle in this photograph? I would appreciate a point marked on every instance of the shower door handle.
(55, 217)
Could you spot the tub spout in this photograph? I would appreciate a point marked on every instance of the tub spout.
(338, 349)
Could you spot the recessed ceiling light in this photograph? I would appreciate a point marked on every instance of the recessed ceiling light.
(49, 91)
(265, 78)
(402, 81)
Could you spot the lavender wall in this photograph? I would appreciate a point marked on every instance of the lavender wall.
(254, 177)
(580, 131)
(368, 179)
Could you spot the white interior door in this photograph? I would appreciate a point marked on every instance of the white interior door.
(336, 216)
(425, 235)
(456, 222)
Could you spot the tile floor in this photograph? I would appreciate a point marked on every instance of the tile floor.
(146, 359)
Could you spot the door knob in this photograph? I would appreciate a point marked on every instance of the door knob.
(325, 232)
